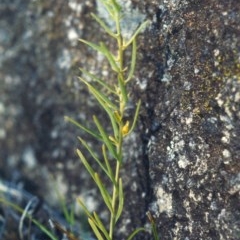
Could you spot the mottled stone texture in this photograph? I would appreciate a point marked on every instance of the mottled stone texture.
(183, 161)
(191, 117)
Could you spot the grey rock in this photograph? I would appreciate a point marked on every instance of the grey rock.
(184, 158)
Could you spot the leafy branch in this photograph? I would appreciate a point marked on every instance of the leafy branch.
(113, 98)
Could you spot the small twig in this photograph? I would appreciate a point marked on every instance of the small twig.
(55, 225)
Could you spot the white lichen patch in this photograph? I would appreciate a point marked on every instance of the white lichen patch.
(220, 102)
(192, 144)
(75, 6)
(222, 214)
(176, 145)
(64, 61)
(167, 77)
(196, 198)
(72, 34)
(226, 137)
(176, 230)
(210, 196)
(164, 201)
(187, 86)
(123, 227)
(196, 70)
(237, 97)
(206, 217)
(29, 158)
(200, 166)
(186, 204)
(220, 223)
(226, 153)
(216, 52)
(212, 120)
(183, 162)
(189, 120)
(142, 84)
(235, 184)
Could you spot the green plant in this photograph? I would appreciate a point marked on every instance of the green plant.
(113, 98)
(25, 214)
(153, 226)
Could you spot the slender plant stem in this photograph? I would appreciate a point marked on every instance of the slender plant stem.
(115, 195)
(122, 103)
(113, 143)
(114, 200)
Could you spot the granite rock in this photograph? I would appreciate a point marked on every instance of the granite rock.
(184, 159)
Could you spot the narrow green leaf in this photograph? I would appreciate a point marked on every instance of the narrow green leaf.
(103, 25)
(106, 196)
(110, 113)
(98, 94)
(122, 85)
(136, 232)
(72, 215)
(103, 191)
(110, 57)
(44, 229)
(79, 125)
(133, 60)
(84, 208)
(95, 158)
(139, 29)
(86, 164)
(107, 105)
(121, 200)
(95, 229)
(100, 81)
(135, 117)
(105, 137)
(116, 6)
(98, 221)
(109, 169)
(92, 45)
(113, 122)
(101, 226)
(103, 49)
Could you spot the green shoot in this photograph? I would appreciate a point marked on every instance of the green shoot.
(153, 226)
(113, 99)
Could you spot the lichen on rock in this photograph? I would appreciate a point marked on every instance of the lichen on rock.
(184, 159)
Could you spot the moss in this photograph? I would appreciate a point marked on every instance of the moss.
(206, 86)
(228, 65)
(204, 89)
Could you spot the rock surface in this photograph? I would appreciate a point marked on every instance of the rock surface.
(185, 156)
